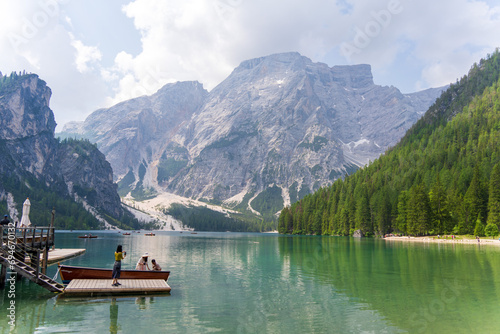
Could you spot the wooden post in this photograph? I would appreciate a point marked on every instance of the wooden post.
(33, 237)
(3, 275)
(45, 251)
(45, 260)
(52, 234)
(37, 269)
(53, 215)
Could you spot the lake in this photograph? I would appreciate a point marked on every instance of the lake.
(269, 283)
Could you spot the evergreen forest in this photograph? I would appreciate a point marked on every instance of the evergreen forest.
(443, 177)
(204, 219)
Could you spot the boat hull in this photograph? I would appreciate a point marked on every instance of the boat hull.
(69, 273)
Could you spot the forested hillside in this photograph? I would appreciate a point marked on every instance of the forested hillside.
(204, 219)
(443, 176)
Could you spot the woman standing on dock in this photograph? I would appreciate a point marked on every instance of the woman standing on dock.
(117, 267)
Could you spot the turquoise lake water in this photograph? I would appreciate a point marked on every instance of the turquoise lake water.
(269, 283)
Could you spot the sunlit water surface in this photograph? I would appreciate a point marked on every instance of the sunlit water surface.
(268, 283)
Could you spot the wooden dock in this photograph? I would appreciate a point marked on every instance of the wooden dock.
(103, 287)
(57, 255)
(60, 254)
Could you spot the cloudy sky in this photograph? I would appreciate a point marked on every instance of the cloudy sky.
(94, 53)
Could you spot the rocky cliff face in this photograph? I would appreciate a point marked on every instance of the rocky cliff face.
(277, 121)
(137, 131)
(72, 168)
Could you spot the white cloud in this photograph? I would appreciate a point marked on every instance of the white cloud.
(426, 43)
(444, 37)
(84, 54)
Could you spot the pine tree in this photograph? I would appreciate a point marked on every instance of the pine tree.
(401, 221)
(439, 206)
(479, 229)
(418, 211)
(494, 197)
(474, 202)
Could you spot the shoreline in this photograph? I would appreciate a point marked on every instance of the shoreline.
(434, 239)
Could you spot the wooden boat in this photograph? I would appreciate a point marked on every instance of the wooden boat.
(150, 234)
(126, 233)
(69, 273)
(90, 236)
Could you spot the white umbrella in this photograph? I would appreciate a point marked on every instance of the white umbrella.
(25, 219)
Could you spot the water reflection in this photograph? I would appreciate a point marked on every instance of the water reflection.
(248, 283)
(113, 317)
(417, 287)
(144, 302)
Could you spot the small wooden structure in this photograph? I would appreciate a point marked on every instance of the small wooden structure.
(27, 242)
(104, 287)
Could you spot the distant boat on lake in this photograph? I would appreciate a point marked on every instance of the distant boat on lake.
(150, 234)
(126, 233)
(90, 236)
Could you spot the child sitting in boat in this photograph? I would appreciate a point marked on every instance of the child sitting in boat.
(142, 264)
(155, 266)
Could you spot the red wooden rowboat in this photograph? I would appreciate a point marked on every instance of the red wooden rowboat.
(69, 273)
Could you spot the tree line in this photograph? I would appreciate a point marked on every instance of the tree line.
(203, 219)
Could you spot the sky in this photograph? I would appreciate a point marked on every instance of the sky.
(94, 54)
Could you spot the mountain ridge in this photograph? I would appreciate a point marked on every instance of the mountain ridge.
(276, 121)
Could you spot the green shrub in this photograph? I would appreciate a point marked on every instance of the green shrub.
(491, 230)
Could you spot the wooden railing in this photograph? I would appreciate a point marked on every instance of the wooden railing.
(33, 236)
(29, 241)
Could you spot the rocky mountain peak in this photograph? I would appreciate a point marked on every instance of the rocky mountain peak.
(25, 101)
(290, 60)
(285, 64)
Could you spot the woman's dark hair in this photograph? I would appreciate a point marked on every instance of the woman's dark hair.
(119, 248)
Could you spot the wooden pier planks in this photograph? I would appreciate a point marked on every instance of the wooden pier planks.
(103, 287)
(59, 254)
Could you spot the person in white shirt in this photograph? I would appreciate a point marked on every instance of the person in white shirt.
(142, 264)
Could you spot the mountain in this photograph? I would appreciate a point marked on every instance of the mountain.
(442, 178)
(71, 176)
(278, 128)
